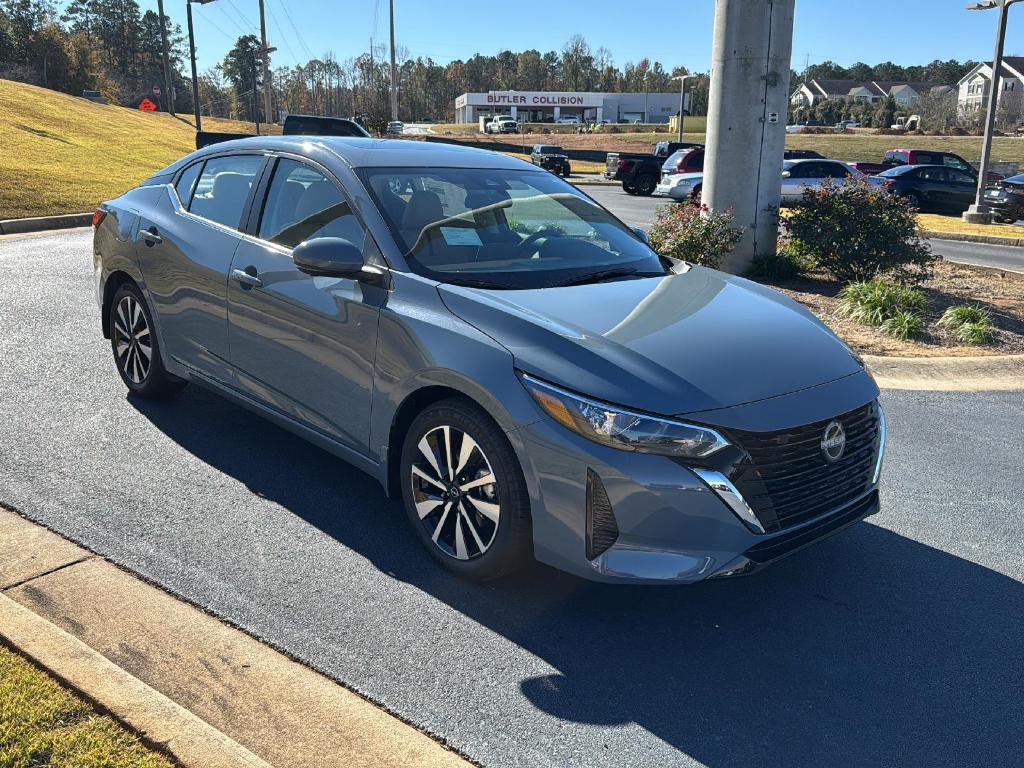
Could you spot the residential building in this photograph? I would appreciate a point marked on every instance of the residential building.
(812, 91)
(976, 86)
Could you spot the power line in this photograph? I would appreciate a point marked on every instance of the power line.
(280, 32)
(224, 13)
(245, 22)
(298, 35)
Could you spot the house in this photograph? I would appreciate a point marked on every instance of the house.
(812, 91)
(975, 87)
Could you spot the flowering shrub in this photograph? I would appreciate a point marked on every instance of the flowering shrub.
(857, 231)
(694, 234)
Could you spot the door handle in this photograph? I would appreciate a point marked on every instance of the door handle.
(152, 237)
(246, 279)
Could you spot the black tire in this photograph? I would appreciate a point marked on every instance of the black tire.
(695, 196)
(495, 515)
(131, 327)
(628, 188)
(645, 185)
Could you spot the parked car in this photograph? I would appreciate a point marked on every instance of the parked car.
(897, 157)
(1006, 199)
(396, 128)
(797, 175)
(931, 187)
(639, 174)
(550, 158)
(524, 390)
(689, 160)
(501, 124)
(568, 120)
(843, 125)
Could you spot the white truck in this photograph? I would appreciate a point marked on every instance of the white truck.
(499, 124)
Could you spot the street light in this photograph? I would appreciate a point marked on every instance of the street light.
(682, 100)
(979, 213)
(192, 56)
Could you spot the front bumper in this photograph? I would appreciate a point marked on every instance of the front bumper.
(671, 527)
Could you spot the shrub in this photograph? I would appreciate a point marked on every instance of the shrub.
(857, 232)
(876, 301)
(785, 264)
(693, 234)
(972, 325)
(904, 325)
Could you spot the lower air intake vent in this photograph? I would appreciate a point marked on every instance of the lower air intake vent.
(602, 530)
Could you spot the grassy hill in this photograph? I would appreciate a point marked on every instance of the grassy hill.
(62, 154)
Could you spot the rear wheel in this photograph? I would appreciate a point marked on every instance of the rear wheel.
(464, 491)
(646, 184)
(695, 195)
(628, 188)
(136, 347)
(913, 198)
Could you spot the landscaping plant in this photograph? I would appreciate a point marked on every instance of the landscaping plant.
(857, 232)
(694, 234)
(785, 264)
(873, 302)
(971, 325)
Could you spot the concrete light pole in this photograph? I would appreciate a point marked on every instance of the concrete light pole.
(682, 103)
(394, 71)
(979, 213)
(753, 43)
(168, 93)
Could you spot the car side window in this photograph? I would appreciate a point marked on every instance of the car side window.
(933, 174)
(952, 161)
(833, 171)
(302, 204)
(958, 177)
(223, 188)
(186, 183)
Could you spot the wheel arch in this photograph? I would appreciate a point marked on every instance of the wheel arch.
(114, 281)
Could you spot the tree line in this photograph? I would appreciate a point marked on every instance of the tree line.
(938, 72)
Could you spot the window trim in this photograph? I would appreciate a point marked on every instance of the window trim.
(177, 177)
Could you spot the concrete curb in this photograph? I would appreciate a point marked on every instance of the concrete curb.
(210, 695)
(189, 740)
(948, 374)
(984, 239)
(44, 223)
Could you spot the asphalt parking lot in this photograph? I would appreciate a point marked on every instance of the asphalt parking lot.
(897, 642)
(640, 212)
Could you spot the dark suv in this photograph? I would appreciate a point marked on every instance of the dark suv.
(550, 158)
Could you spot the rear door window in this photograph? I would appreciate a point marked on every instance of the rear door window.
(952, 161)
(223, 188)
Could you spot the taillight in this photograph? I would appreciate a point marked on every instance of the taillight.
(97, 216)
(1013, 190)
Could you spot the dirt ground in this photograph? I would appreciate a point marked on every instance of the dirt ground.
(1001, 293)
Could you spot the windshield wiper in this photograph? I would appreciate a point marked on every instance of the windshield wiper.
(607, 274)
(471, 282)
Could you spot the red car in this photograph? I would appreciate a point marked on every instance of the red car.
(897, 157)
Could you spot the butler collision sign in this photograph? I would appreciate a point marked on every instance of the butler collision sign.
(539, 106)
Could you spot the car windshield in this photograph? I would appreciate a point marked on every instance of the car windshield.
(897, 171)
(504, 228)
(551, 150)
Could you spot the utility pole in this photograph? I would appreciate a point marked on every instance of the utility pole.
(192, 56)
(750, 60)
(394, 72)
(268, 88)
(255, 95)
(682, 104)
(979, 212)
(169, 94)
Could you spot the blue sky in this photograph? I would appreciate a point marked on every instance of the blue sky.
(673, 32)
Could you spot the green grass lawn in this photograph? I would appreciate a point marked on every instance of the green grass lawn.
(41, 724)
(62, 154)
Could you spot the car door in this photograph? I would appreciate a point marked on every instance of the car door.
(963, 189)
(185, 246)
(304, 345)
(793, 184)
(934, 186)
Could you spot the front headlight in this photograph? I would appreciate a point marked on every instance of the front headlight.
(622, 429)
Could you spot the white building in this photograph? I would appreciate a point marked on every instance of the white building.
(548, 106)
(976, 85)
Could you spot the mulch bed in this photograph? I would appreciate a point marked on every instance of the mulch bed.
(1001, 293)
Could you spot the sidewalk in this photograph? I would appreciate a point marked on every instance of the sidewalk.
(211, 695)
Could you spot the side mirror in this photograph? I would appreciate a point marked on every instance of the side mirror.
(331, 257)
(786, 174)
(642, 234)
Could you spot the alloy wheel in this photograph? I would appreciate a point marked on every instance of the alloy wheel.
(455, 493)
(133, 343)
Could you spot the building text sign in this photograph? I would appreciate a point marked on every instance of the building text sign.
(529, 99)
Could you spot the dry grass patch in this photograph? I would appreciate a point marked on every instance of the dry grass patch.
(62, 154)
(933, 222)
(42, 724)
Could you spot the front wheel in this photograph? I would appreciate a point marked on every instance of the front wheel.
(136, 347)
(464, 491)
(628, 188)
(646, 185)
(914, 199)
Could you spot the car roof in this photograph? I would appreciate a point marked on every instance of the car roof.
(359, 152)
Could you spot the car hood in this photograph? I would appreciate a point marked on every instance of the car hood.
(689, 342)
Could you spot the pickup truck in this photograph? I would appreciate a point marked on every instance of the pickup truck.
(502, 124)
(639, 174)
(294, 125)
(897, 157)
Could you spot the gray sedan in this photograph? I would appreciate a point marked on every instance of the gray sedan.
(501, 353)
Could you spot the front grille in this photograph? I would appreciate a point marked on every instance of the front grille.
(786, 479)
